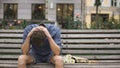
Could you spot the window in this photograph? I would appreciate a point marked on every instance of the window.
(102, 20)
(64, 11)
(38, 11)
(113, 3)
(10, 11)
(104, 17)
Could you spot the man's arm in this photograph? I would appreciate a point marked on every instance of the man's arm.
(55, 48)
(26, 45)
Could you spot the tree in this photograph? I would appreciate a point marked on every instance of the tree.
(97, 4)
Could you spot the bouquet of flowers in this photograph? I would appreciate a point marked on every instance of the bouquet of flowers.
(75, 59)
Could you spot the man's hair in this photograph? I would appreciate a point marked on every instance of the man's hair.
(37, 37)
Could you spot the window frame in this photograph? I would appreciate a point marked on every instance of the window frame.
(62, 19)
(13, 7)
(33, 11)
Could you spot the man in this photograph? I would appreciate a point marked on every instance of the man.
(41, 43)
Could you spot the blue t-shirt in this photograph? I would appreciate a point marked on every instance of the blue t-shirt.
(45, 48)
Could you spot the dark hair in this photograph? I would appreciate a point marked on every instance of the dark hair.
(38, 37)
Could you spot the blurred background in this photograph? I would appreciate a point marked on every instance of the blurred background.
(67, 14)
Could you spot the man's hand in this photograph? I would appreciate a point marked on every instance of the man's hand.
(45, 31)
(40, 28)
(34, 29)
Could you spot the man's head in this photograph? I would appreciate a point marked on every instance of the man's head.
(38, 37)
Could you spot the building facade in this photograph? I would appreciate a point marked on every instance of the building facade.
(59, 10)
(52, 10)
(107, 9)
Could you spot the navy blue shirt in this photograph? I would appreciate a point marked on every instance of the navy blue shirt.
(45, 48)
